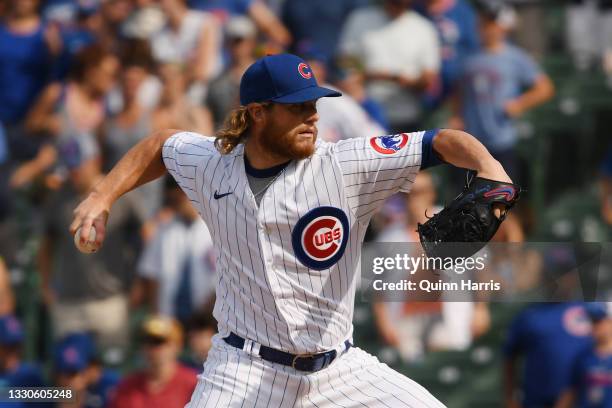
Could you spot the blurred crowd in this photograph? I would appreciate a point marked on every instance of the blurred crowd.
(82, 81)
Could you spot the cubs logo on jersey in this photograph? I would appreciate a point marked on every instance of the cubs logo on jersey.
(389, 144)
(320, 237)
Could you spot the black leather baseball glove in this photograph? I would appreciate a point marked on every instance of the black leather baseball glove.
(464, 226)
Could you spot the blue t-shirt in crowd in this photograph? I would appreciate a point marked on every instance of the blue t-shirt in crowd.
(23, 72)
(592, 380)
(222, 8)
(550, 336)
(99, 394)
(457, 30)
(488, 81)
(330, 16)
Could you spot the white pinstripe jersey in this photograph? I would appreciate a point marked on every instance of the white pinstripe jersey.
(287, 270)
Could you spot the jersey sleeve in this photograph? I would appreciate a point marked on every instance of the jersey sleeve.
(377, 167)
(183, 153)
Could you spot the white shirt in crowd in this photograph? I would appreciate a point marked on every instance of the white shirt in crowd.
(407, 46)
(343, 118)
(164, 257)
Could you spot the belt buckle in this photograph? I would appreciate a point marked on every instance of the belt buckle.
(310, 355)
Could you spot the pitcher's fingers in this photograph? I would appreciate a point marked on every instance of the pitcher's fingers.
(85, 228)
(100, 226)
(78, 215)
(76, 223)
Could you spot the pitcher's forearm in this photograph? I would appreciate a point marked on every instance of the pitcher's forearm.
(463, 150)
(141, 164)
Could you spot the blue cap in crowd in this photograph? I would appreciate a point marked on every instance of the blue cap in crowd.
(74, 353)
(282, 78)
(596, 311)
(87, 8)
(11, 332)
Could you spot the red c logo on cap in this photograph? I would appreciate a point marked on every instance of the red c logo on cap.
(304, 70)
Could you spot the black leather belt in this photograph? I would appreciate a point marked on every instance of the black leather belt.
(302, 362)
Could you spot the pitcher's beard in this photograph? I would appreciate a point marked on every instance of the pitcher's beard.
(289, 145)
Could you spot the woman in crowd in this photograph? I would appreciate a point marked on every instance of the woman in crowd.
(175, 110)
(72, 113)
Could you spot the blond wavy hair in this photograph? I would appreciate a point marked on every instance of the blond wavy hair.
(235, 128)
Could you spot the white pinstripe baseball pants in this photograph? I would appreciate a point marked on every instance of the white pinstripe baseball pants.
(235, 378)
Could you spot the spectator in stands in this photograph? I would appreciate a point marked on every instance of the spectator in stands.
(401, 54)
(13, 371)
(78, 30)
(63, 12)
(497, 85)
(112, 15)
(455, 21)
(71, 114)
(549, 336)
(178, 264)
(606, 188)
(164, 382)
(83, 22)
(200, 330)
(267, 22)
(7, 299)
(342, 118)
(590, 385)
(134, 122)
(190, 38)
(88, 292)
(350, 78)
(406, 324)
(531, 33)
(175, 110)
(298, 16)
(413, 326)
(76, 366)
(223, 93)
(588, 33)
(146, 20)
(27, 46)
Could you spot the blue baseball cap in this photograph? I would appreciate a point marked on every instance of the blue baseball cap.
(596, 311)
(74, 353)
(281, 78)
(11, 332)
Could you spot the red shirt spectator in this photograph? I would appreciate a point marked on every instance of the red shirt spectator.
(164, 382)
(137, 392)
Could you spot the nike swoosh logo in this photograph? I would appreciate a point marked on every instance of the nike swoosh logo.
(218, 196)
